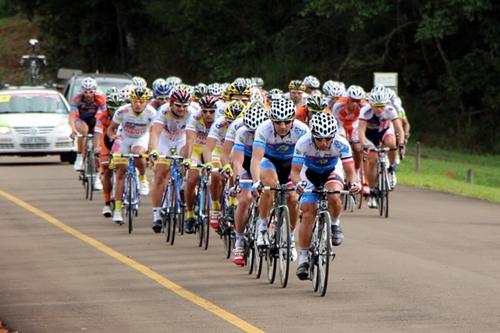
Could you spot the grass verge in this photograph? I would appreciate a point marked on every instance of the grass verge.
(446, 171)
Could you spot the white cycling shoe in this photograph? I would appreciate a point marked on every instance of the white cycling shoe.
(144, 187)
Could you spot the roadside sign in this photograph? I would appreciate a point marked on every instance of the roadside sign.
(388, 79)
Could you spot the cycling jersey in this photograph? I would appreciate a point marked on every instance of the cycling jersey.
(173, 126)
(133, 125)
(87, 110)
(320, 167)
(197, 125)
(381, 122)
(231, 130)
(221, 126)
(103, 120)
(243, 142)
(302, 114)
(397, 104)
(347, 119)
(277, 147)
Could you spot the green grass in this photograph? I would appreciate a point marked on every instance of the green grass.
(446, 171)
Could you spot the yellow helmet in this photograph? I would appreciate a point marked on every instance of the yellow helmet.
(296, 85)
(234, 110)
(140, 94)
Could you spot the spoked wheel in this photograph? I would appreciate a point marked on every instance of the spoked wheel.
(165, 224)
(90, 177)
(284, 246)
(272, 256)
(250, 250)
(173, 225)
(324, 253)
(313, 257)
(260, 256)
(206, 220)
(182, 212)
(130, 212)
(228, 242)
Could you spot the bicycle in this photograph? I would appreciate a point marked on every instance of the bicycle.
(226, 222)
(173, 201)
(321, 249)
(278, 253)
(383, 187)
(89, 173)
(131, 193)
(202, 206)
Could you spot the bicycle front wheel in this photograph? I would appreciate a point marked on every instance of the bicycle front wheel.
(272, 256)
(130, 189)
(206, 219)
(325, 252)
(283, 240)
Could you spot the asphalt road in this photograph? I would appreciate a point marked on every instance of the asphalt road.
(433, 266)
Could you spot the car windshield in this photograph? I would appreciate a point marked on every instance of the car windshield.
(32, 103)
(102, 85)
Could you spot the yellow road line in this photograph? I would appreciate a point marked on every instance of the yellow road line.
(184, 293)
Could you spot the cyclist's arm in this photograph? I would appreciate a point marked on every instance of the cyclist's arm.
(155, 136)
(188, 148)
(209, 148)
(362, 131)
(406, 128)
(257, 156)
(295, 172)
(225, 157)
(112, 130)
(72, 120)
(238, 158)
(350, 172)
(398, 128)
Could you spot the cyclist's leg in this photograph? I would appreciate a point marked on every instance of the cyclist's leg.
(193, 177)
(83, 130)
(308, 203)
(106, 175)
(122, 146)
(335, 182)
(389, 141)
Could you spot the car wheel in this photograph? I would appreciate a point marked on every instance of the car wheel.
(69, 157)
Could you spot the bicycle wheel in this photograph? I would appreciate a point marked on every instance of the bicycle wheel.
(250, 240)
(271, 254)
(381, 190)
(92, 173)
(206, 218)
(166, 215)
(260, 256)
(130, 189)
(182, 207)
(283, 240)
(314, 255)
(325, 252)
(385, 196)
(198, 209)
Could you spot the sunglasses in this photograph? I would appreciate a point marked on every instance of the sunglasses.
(89, 92)
(208, 111)
(182, 106)
(379, 105)
(323, 139)
(286, 122)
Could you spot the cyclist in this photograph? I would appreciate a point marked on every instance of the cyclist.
(197, 130)
(379, 125)
(130, 131)
(271, 161)
(242, 154)
(333, 90)
(213, 150)
(296, 94)
(315, 103)
(84, 108)
(320, 160)
(312, 85)
(161, 93)
(168, 132)
(346, 110)
(104, 145)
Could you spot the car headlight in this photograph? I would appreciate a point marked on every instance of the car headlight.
(4, 130)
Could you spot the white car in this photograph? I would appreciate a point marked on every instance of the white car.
(34, 122)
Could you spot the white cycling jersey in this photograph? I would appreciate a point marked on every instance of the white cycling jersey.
(243, 141)
(133, 125)
(381, 122)
(231, 130)
(321, 161)
(173, 126)
(277, 147)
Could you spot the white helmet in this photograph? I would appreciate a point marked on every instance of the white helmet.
(282, 110)
(139, 82)
(125, 93)
(355, 92)
(391, 94)
(311, 82)
(215, 89)
(173, 80)
(334, 89)
(89, 83)
(255, 115)
(378, 87)
(378, 97)
(323, 125)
